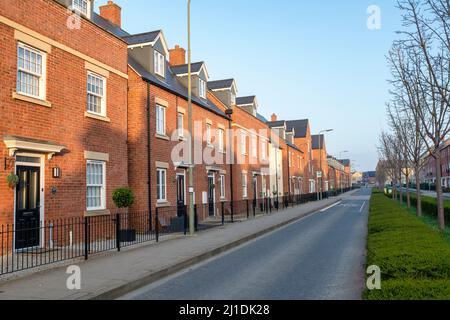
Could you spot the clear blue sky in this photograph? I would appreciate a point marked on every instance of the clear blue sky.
(303, 59)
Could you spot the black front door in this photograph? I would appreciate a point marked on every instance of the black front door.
(255, 190)
(211, 188)
(28, 207)
(181, 207)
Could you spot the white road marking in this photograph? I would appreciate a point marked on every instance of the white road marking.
(332, 206)
(362, 207)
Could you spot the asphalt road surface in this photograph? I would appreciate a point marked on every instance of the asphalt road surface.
(319, 257)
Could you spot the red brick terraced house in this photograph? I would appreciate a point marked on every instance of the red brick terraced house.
(158, 124)
(336, 174)
(299, 140)
(320, 162)
(292, 159)
(429, 172)
(251, 172)
(347, 177)
(63, 106)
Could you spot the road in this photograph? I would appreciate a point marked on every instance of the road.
(319, 257)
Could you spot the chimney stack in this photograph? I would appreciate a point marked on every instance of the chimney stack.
(274, 117)
(177, 56)
(112, 12)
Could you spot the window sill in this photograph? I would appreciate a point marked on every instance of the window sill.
(162, 137)
(97, 213)
(96, 117)
(26, 98)
(163, 204)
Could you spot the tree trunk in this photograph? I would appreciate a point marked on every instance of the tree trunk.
(440, 198)
(418, 194)
(400, 198)
(408, 196)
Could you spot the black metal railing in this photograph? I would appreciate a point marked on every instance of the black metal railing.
(30, 245)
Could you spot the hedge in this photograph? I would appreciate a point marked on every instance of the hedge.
(413, 258)
(429, 206)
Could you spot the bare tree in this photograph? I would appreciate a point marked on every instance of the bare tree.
(390, 156)
(403, 120)
(382, 175)
(423, 69)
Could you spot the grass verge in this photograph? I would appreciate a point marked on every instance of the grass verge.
(414, 259)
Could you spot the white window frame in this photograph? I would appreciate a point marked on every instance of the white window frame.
(202, 88)
(102, 112)
(42, 81)
(160, 111)
(162, 187)
(180, 125)
(76, 7)
(222, 186)
(159, 63)
(244, 185)
(102, 186)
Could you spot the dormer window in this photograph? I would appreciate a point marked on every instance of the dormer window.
(202, 88)
(159, 64)
(81, 6)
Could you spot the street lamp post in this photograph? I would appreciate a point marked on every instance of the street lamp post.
(320, 159)
(190, 144)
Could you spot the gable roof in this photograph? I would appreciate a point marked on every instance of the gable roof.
(300, 127)
(244, 101)
(140, 38)
(171, 84)
(196, 68)
(318, 141)
(147, 38)
(222, 84)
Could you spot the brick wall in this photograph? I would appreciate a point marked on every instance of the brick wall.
(65, 122)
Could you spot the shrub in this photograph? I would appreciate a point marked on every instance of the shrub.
(123, 198)
(429, 206)
(413, 258)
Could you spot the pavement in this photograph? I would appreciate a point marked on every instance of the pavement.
(319, 257)
(116, 274)
(430, 193)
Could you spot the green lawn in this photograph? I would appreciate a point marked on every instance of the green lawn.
(414, 259)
